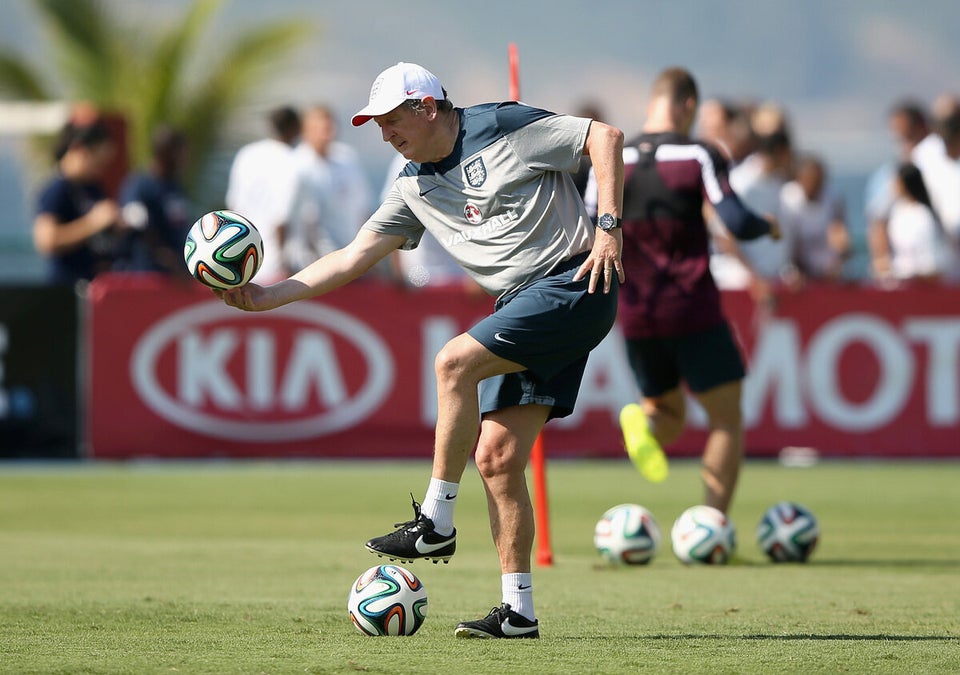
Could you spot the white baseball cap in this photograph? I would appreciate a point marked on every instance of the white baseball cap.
(395, 85)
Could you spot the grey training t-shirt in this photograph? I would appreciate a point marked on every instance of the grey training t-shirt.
(503, 204)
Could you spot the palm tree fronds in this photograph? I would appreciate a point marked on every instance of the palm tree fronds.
(225, 86)
(89, 45)
(167, 65)
(151, 74)
(19, 81)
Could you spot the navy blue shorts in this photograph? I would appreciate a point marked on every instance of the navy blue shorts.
(549, 327)
(703, 360)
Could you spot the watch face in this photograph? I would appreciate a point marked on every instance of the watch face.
(606, 222)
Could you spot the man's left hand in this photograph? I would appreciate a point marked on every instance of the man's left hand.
(603, 261)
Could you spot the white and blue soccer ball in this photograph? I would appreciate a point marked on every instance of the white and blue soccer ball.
(223, 250)
(703, 534)
(387, 600)
(627, 534)
(788, 532)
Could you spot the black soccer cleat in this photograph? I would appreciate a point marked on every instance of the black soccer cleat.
(415, 539)
(501, 622)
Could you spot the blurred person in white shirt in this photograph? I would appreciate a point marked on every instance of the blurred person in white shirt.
(261, 187)
(759, 185)
(762, 264)
(768, 124)
(333, 197)
(933, 147)
(940, 167)
(909, 128)
(816, 218)
(914, 232)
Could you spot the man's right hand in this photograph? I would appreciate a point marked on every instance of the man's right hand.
(250, 297)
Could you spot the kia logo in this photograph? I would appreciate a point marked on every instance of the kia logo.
(235, 377)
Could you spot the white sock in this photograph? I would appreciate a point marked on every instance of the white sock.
(518, 593)
(438, 504)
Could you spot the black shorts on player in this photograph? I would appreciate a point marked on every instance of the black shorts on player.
(548, 326)
(703, 360)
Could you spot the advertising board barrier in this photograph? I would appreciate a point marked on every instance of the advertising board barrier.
(39, 329)
(174, 372)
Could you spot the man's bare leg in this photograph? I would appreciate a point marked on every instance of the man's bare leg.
(723, 453)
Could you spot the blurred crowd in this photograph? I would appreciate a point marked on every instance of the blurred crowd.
(308, 194)
(83, 230)
(912, 200)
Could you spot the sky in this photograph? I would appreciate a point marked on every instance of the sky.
(835, 65)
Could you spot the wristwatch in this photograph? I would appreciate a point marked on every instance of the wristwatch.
(607, 222)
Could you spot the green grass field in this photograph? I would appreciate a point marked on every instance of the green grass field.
(245, 568)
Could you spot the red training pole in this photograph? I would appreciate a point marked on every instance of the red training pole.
(540, 510)
(514, 72)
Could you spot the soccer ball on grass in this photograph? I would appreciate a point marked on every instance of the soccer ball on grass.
(703, 534)
(387, 600)
(223, 250)
(788, 532)
(627, 534)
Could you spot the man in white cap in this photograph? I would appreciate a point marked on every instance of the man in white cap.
(492, 183)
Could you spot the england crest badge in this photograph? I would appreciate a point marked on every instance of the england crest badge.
(476, 173)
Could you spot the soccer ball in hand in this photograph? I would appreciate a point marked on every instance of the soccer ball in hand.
(788, 532)
(627, 534)
(387, 600)
(223, 250)
(703, 534)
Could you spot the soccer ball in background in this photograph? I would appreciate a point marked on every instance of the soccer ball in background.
(223, 250)
(387, 600)
(627, 534)
(788, 532)
(703, 534)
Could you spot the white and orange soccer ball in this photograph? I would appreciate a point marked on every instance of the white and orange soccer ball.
(223, 250)
(703, 534)
(387, 600)
(627, 534)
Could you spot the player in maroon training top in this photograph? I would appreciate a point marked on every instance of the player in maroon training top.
(669, 308)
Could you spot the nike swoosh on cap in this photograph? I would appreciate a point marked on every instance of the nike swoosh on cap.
(509, 629)
(424, 547)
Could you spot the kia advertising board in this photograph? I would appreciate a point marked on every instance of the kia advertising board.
(176, 373)
(854, 371)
